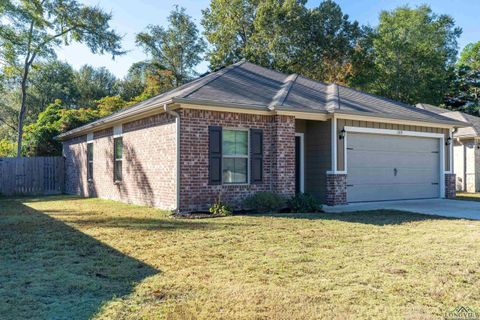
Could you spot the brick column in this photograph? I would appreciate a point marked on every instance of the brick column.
(450, 187)
(283, 147)
(336, 189)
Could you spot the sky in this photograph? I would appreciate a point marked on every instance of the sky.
(131, 17)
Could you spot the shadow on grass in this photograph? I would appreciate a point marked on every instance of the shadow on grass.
(49, 270)
(376, 217)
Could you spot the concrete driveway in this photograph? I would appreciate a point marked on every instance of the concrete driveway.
(439, 207)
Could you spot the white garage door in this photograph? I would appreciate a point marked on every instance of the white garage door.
(383, 167)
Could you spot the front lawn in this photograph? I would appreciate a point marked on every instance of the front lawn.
(65, 257)
(468, 196)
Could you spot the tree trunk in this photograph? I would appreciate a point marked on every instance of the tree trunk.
(23, 109)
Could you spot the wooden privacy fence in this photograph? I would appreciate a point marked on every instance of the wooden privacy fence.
(31, 176)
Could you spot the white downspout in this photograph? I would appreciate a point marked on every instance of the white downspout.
(177, 151)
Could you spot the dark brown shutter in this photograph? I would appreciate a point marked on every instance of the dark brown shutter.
(256, 155)
(214, 155)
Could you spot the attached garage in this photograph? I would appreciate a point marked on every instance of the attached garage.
(393, 165)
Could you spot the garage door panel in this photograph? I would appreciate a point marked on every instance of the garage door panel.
(385, 142)
(387, 175)
(383, 192)
(361, 158)
(374, 159)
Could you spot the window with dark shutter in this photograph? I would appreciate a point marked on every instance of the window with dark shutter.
(256, 155)
(215, 155)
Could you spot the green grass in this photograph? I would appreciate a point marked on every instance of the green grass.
(468, 196)
(64, 257)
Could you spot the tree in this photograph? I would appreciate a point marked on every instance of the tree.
(33, 29)
(415, 52)
(321, 43)
(330, 45)
(93, 84)
(48, 82)
(229, 27)
(464, 93)
(56, 119)
(470, 56)
(145, 79)
(178, 48)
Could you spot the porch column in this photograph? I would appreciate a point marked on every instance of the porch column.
(336, 182)
(283, 155)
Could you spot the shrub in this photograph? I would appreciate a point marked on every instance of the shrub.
(220, 208)
(303, 202)
(264, 202)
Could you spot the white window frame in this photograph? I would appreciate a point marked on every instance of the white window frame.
(117, 133)
(302, 160)
(237, 156)
(90, 143)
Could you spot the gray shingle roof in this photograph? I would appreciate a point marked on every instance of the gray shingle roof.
(473, 121)
(245, 84)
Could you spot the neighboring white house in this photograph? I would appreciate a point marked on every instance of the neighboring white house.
(466, 148)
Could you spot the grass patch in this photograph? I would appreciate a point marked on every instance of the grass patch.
(81, 258)
(468, 196)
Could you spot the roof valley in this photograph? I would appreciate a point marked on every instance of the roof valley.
(282, 93)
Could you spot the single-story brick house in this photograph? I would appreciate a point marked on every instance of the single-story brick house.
(245, 129)
(466, 148)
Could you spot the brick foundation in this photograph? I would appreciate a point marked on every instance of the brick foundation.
(450, 188)
(336, 189)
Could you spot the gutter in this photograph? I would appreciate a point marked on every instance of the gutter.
(177, 152)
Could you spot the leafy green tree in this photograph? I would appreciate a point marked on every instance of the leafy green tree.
(470, 56)
(464, 91)
(229, 27)
(321, 43)
(7, 148)
(34, 29)
(93, 84)
(48, 82)
(144, 79)
(178, 47)
(56, 119)
(415, 52)
(331, 42)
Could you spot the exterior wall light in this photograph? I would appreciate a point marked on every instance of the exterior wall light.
(342, 134)
(448, 141)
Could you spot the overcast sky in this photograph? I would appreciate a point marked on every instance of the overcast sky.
(131, 17)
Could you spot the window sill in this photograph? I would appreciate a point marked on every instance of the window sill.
(117, 182)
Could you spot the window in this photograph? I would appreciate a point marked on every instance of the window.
(117, 157)
(235, 156)
(90, 161)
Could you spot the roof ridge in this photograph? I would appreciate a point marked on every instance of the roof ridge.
(283, 92)
(333, 98)
(215, 76)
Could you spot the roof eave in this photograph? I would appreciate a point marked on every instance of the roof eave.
(452, 124)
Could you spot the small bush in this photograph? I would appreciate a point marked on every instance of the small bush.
(304, 203)
(220, 208)
(264, 202)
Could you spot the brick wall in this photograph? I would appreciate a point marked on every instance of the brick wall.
(279, 157)
(149, 157)
(450, 189)
(336, 189)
